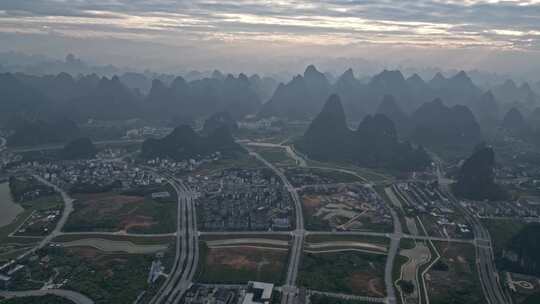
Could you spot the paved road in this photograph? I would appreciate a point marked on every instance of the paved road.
(289, 290)
(487, 271)
(187, 248)
(392, 252)
(68, 208)
(76, 297)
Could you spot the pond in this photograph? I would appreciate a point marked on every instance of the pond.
(8, 208)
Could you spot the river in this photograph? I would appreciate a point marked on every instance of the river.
(8, 208)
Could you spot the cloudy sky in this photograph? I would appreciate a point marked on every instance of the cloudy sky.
(267, 34)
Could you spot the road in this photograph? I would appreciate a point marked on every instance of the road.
(76, 297)
(68, 208)
(487, 271)
(187, 248)
(392, 253)
(289, 290)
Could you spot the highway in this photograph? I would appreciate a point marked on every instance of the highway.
(487, 271)
(392, 253)
(187, 248)
(289, 290)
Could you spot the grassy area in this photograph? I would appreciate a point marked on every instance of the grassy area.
(343, 238)
(39, 204)
(139, 240)
(321, 299)
(396, 273)
(280, 237)
(454, 279)
(115, 211)
(105, 278)
(241, 264)
(47, 299)
(501, 231)
(6, 230)
(373, 175)
(344, 272)
(241, 161)
(276, 156)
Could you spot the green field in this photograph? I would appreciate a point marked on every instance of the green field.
(111, 212)
(321, 299)
(105, 278)
(276, 156)
(140, 240)
(321, 238)
(47, 299)
(43, 203)
(343, 272)
(281, 237)
(501, 231)
(454, 278)
(238, 265)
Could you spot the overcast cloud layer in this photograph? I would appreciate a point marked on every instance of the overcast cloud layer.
(246, 34)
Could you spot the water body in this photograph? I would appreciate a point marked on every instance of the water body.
(8, 208)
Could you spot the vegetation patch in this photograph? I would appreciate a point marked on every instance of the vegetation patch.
(238, 265)
(344, 272)
(119, 212)
(458, 281)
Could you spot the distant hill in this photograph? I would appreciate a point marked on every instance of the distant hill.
(514, 121)
(300, 98)
(437, 125)
(20, 99)
(40, 132)
(510, 92)
(350, 90)
(373, 144)
(389, 108)
(476, 179)
(202, 97)
(219, 120)
(487, 111)
(183, 143)
(110, 100)
(81, 148)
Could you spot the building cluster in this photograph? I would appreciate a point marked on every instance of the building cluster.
(252, 293)
(7, 158)
(524, 208)
(94, 174)
(422, 198)
(242, 199)
(147, 131)
(180, 167)
(265, 124)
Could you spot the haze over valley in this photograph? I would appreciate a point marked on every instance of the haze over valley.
(289, 152)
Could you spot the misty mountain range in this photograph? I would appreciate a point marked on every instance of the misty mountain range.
(445, 109)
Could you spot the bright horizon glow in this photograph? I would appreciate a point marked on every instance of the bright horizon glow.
(425, 32)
